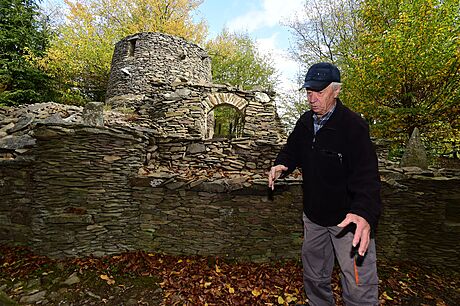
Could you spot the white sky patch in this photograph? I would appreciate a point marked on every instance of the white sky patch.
(271, 14)
(286, 66)
(268, 17)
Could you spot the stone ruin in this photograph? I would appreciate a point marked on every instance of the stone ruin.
(145, 172)
(92, 184)
(168, 80)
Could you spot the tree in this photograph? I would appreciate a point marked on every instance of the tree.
(404, 70)
(236, 61)
(23, 38)
(228, 121)
(292, 105)
(320, 28)
(318, 31)
(400, 61)
(80, 56)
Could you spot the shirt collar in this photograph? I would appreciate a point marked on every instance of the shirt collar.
(326, 116)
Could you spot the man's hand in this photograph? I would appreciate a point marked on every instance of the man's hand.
(274, 174)
(362, 233)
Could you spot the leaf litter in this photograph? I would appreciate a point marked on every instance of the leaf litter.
(142, 278)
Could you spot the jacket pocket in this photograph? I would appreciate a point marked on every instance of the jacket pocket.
(332, 156)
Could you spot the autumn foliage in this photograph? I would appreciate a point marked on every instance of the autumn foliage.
(80, 55)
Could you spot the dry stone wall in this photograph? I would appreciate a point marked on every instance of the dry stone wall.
(143, 172)
(421, 221)
(70, 189)
(74, 189)
(16, 194)
(181, 110)
(210, 219)
(82, 194)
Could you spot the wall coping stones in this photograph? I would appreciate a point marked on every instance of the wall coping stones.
(93, 114)
(20, 121)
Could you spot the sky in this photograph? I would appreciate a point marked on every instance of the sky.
(262, 20)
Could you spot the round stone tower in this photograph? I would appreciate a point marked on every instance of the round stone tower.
(146, 60)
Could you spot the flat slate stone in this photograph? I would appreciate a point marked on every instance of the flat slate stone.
(16, 142)
(22, 123)
(414, 154)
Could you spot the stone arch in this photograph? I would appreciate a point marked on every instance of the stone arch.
(219, 99)
(226, 98)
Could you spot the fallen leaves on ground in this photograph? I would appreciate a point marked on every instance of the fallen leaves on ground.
(195, 280)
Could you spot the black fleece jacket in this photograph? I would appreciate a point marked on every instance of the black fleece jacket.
(339, 167)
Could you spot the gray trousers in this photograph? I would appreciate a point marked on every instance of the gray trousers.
(358, 274)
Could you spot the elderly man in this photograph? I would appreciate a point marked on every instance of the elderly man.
(341, 192)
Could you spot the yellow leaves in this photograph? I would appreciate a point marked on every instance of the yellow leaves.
(386, 296)
(231, 290)
(287, 299)
(218, 269)
(18, 289)
(290, 298)
(282, 296)
(403, 17)
(207, 284)
(123, 18)
(109, 280)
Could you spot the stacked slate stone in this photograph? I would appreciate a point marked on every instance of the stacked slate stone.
(17, 124)
(186, 147)
(145, 61)
(169, 80)
(177, 109)
(82, 200)
(262, 119)
(76, 189)
(16, 194)
(204, 220)
(240, 154)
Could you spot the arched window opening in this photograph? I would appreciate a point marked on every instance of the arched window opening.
(227, 121)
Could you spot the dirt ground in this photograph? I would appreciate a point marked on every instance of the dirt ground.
(140, 278)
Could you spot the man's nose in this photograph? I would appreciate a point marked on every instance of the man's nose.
(312, 96)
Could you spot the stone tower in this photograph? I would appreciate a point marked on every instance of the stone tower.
(145, 60)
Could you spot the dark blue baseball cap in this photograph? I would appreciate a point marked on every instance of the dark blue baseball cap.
(320, 75)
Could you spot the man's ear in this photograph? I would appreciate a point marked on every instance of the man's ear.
(337, 91)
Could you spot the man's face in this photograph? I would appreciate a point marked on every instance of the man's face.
(322, 101)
